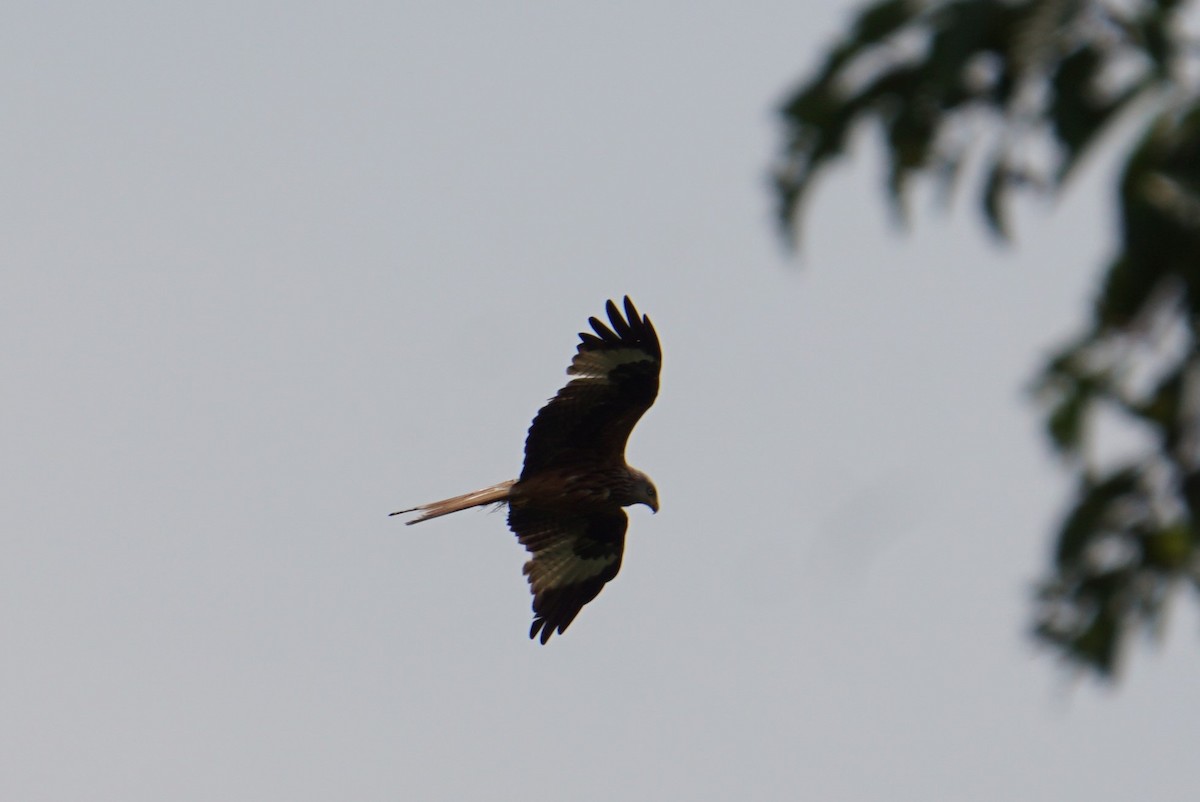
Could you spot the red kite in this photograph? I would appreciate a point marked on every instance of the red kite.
(566, 506)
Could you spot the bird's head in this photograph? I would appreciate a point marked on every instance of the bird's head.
(644, 491)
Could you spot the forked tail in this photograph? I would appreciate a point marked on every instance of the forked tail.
(477, 498)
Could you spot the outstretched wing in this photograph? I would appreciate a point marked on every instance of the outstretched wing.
(574, 556)
(616, 380)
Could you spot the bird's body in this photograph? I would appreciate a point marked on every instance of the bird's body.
(566, 507)
(585, 488)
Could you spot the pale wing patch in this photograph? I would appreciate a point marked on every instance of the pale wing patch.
(598, 364)
(558, 565)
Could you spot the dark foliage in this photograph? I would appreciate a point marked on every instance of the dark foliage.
(1026, 88)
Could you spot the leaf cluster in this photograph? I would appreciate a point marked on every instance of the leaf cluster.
(1026, 89)
(1046, 76)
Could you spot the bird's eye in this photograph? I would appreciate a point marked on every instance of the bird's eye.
(650, 491)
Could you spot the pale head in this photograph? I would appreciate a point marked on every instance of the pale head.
(643, 490)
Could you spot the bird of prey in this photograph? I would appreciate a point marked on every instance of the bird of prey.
(566, 507)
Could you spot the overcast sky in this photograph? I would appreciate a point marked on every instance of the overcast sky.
(273, 270)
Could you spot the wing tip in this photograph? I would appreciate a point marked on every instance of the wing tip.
(602, 331)
(631, 311)
(628, 328)
(541, 625)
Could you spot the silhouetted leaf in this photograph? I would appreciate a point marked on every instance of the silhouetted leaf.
(1079, 110)
(994, 189)
(1094, 513)
(1156, 38)
(1162, 408)
(1097, 644)
(1066, 421)
(1169, 549)
(910, 138)
(1128, 286)
(877, 22)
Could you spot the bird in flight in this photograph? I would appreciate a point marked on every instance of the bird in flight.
(566, 506)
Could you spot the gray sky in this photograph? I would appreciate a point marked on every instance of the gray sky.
(274, 270)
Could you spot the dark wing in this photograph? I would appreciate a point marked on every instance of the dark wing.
(616, 380)
(574, 556)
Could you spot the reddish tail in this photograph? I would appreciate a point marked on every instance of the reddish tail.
(477, 498)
